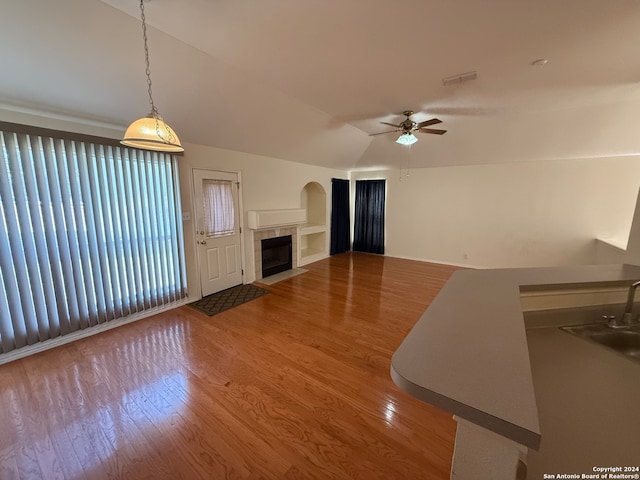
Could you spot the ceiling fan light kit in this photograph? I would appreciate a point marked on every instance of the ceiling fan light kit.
(407, 139)
(151, 132)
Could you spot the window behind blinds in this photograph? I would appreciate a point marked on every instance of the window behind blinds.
(89, 233)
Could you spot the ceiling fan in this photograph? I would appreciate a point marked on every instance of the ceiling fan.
(408, 126)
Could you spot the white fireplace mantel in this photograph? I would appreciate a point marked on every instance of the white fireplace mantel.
(259, 219)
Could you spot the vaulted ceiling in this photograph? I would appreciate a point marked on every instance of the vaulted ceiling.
(308, 81)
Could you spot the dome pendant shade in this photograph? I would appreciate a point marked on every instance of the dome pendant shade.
(151, 133)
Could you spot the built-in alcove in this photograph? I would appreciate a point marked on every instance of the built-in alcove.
(313, 199)
(313, 234)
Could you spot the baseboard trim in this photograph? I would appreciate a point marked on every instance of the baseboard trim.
(87, 332)
(439, 262)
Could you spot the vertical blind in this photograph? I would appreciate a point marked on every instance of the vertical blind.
(88, 233)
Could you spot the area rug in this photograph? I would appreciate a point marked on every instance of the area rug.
(229, 298)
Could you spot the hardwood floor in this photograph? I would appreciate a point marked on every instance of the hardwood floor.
(292, 385)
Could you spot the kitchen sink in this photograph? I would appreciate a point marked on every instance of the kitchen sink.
(625, 340)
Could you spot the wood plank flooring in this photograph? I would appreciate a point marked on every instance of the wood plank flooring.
(293, 385)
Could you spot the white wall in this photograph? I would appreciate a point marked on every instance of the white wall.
(622, 252)
(506, 215)
(267, 183)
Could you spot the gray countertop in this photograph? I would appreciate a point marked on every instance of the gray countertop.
(468, 353)
(587, 397)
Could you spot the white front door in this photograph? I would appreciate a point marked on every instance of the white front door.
(217, 230)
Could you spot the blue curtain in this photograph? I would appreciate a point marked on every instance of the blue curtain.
(88, 233)
(368, 235)
(340, 220)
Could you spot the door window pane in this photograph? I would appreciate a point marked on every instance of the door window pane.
(219, 214)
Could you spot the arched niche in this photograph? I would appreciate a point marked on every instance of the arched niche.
(313, 199)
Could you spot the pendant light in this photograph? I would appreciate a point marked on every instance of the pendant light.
(151, 132)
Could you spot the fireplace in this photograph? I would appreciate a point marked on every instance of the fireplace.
(276, 255)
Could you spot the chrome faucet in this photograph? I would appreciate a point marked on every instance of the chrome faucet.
(627, 318)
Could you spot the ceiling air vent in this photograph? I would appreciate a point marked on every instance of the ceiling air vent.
(461, 78)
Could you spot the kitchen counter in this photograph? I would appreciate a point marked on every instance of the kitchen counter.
(587, 397)
(468, 353)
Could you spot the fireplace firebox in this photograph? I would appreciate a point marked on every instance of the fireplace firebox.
(276, 255)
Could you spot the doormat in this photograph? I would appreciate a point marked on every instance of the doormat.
(229, 298)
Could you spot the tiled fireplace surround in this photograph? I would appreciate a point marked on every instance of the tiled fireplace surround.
(259, 235)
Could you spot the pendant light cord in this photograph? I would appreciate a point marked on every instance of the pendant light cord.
(154, 110)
